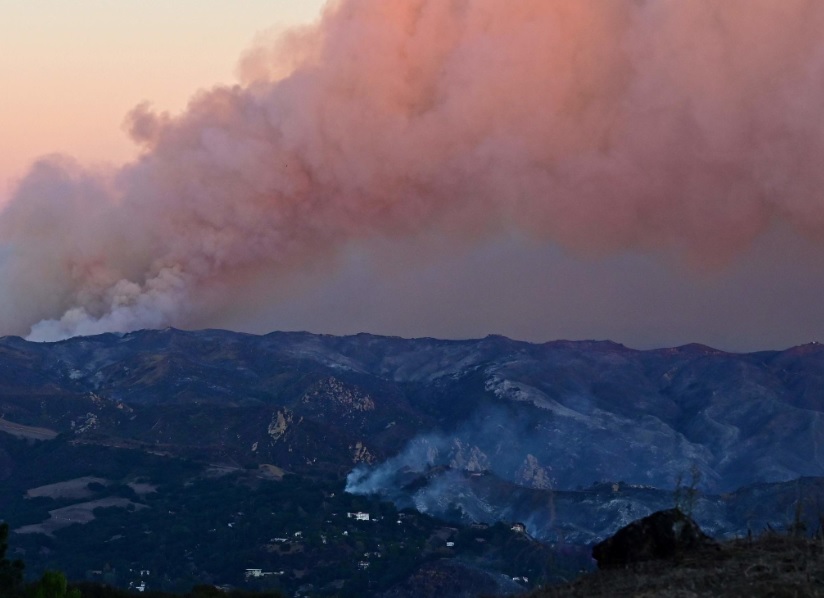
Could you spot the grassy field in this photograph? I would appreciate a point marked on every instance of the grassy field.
(29, 432)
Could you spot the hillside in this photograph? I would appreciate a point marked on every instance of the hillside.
(770, 566)
(100, 436)
(619, 414)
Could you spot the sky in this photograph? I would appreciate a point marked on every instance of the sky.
(72, 70)
(645, 172)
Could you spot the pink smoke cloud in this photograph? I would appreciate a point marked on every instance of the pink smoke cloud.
(687, 128)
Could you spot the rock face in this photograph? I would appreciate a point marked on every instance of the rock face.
(662, 535)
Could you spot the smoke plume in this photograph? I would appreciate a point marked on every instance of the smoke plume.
(687, 128)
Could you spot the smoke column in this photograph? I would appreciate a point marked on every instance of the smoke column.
(682, 127)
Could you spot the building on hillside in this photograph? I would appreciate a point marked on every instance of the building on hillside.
(358, 516)
(260, 573)
(141, 587)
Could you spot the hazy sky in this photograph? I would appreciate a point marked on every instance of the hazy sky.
(644, 172)
(72, 70)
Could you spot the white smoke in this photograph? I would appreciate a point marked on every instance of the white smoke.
(682, 127)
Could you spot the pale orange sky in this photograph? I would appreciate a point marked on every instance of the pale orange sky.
(70, 71)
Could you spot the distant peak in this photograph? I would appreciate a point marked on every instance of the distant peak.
(811, 347)
(600, 345)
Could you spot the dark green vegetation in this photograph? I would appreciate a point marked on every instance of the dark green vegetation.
(11, 571)
(97, 590)
(180, 524)
(52, 584)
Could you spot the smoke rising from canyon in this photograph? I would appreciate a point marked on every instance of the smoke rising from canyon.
(688, 129)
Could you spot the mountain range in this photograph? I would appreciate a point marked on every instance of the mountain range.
(574, 439)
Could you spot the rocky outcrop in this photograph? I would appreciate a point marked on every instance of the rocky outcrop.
(279, 424)
(533, 475)
(333, 390)
(662, 535)
(361, 454)
(467, 457)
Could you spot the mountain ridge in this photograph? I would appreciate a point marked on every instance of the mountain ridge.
(692, 401)
(571, 438)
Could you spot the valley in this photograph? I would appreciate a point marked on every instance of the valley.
(242, 460)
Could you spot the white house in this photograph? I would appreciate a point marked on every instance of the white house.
(359, 516)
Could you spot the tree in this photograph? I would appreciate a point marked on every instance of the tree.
(53, 585)
(11, 572)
